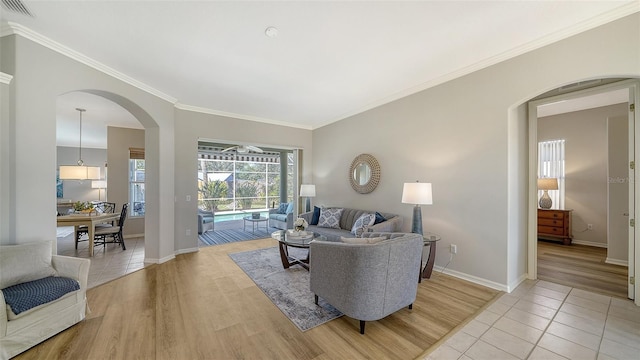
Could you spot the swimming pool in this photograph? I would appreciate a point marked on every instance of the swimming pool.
(236, 216)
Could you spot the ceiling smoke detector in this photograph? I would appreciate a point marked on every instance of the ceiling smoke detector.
(269, 32)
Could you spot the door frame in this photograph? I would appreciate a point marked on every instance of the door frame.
(532, 220)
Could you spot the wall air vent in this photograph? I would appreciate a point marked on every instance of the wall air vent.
(579, 85)
(17, 6)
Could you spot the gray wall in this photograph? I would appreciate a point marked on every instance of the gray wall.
(41, 76)
(5, 183)
(586, 167)
(466, 137)
(80, 190)
(618, 188)
(195, 126)
(119, 140)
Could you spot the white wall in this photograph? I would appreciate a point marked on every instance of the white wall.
(464, 136)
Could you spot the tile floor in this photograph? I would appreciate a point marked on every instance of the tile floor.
(543, 320)
(107, 263)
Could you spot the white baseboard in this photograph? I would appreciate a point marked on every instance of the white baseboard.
(617, 262)
(473, 279)
(159, 261)
(186, 251)
(589, 243)
(131, 236)
(515, 284)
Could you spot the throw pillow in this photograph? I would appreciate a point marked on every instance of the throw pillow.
(316, 216)
(379, 218)
(361, 222)
(330, 218)
(282, 209)
(289, 208)
(25, 262)
(372, 240)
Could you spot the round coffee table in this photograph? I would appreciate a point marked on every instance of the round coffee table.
(255, 223)
(296, 239)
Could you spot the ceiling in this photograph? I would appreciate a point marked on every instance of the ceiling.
(329, 60)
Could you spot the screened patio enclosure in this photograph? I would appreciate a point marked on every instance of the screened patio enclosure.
(230, 182)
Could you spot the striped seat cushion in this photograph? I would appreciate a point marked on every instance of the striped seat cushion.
(25, 296)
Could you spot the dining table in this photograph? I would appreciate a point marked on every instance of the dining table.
(90, 221)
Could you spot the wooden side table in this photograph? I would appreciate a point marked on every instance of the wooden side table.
(430, 239)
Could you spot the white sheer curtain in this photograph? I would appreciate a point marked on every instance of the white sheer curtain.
(551, 165)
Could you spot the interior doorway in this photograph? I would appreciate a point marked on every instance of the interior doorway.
(568, 266)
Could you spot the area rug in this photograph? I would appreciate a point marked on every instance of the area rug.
(288, 289)
(64, 231)
(218, 237)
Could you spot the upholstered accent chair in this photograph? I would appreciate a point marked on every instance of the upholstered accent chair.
(36, 301)
(367, 281)
(282, 216)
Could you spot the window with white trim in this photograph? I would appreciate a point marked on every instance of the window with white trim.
(136, 182)
(551, 165)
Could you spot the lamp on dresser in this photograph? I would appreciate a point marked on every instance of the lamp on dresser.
(546, 184)
(417, 193)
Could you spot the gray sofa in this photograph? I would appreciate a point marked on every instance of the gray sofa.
(348, 217)
(281, 220)
(367, 281)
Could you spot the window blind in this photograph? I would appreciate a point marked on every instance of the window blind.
(136, 153)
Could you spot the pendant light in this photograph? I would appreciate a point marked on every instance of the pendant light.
(79, 171)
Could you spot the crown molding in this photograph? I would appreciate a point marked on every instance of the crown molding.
(5, 78)
(618, 13)
(240, 116)
(12, 28)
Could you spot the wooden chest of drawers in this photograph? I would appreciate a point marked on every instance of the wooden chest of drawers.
(555, 225)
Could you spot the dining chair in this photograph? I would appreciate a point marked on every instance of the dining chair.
(102, 234)
(101, 208)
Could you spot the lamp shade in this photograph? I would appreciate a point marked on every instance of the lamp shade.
(417, 193)
(99, 184)
(308, 190)
(548, 184)
(79, 172)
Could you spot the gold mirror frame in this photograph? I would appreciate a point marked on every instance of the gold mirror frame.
(374, 179)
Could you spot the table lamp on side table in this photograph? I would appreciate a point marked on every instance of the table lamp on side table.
(419, 194)
(308, 191)
(546, 184)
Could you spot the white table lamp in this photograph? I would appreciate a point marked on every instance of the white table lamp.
(546, 184)
(419, 194)
(99, 184)
(308, 191)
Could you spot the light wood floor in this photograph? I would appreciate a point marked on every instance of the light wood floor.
(582, 267)
(203, 306)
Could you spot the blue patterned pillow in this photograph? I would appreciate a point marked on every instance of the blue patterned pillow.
(330, 218)
(282, 209)
(363, 220)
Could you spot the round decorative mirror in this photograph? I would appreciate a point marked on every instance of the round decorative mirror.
(364, 174)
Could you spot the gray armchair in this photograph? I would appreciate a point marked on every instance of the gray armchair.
(280, 220)
(367, 281)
